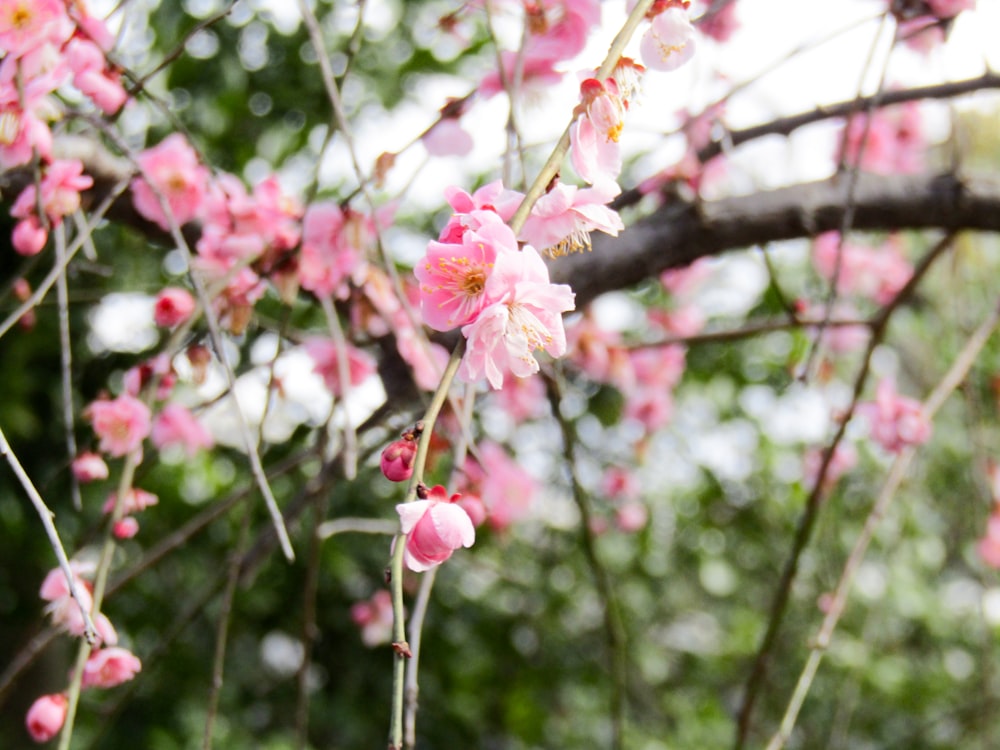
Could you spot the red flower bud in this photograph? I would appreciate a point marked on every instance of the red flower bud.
(398, 457)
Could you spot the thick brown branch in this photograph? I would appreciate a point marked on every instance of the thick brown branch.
(681, 232)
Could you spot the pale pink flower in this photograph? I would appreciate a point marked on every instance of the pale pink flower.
(28, 24)
(844, 458)
(631, 516)
(136, 501)
(539, 73)
(596, 158)
(326, 355)
(558, 29)
(722, 24)
(989, 546)
(506, 490)
(447, 138)
(841, 339)
(427, 360)
(173, 306)
(121, 424)
(527, 316)
(895, 421)
(890, 141)
(876, 274)
(950, 8)
(89, 466)
(328, 258)
(93, 77)
(374, 617)
(600, 354)
(522, 399)
(561, 221)
(482, 207)
(64, 609)
(46, 717)
(669, 41)
(108, 667)
(454, 277)
(657, 371)
(174, 174)
(603, 106)
(61, 184)
(620, 484)
(434, 528)
(176, 425)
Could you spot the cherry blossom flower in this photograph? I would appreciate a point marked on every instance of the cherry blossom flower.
(374, 617)
(46, 717)
(93, 77)
(454, 277)
(108, 667)
(889, 141)
(89, 466)
(472, 211)
(173, 306)
(950, 8)
(600, 354)
(596, 158)
(558, 29)
(447, 138)
(876, 274)
(895, 421)
(721, 24)
(603, 106)
(505, 489)
(29, 236)
(631, 516)
(327, 259)
(657, 371)
(561, 220)
(844, 458)
(125, 528)
(136, 500)
(65, 610)
(27, 24)
(325, 355)
(175, 174)
(434, 528)
(61, 185)
(669, 41)
(121, 424)
(526, 317)
(176, 425)
(538, 74)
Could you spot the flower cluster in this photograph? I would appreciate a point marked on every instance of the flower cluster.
(107, 665)
(895, 421)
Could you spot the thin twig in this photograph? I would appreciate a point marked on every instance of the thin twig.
(66, 359)
(897, 472)
(89, 631)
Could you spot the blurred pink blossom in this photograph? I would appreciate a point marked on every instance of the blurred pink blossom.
(176, 175)
(121, 424)
(46, 717)
(173, 306)
(108, 667)
(374, 617)
(878, 274)
(447, 138)
(895, 421)
(326, 355)
(668, 43)
(890, 141)
(176, 425)
(89, 466)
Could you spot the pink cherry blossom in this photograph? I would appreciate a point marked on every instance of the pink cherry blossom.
(136, 501)
(657, 371)
(950, 8)
(539, 73)
(89, 466)
(174, 172)
(125, 528)
(29, 236)
(631, 516)
(61, 184)
(526, 317)
(600, 354)
(603, 106)
(595, 157)
(46, 717)
(447, 138)
(844, 458)
(173, 306)
(558, 29)
(890, 141)
(877, 274)
(895, 421)
(121, 424)
(669, 41)
(65, 610)
(454, 277)
(27, 24)
(922, 34)
(506, 490)
(328, 258)
(989, 546)
(427, 360)
(374, 617)
(561, 221)
(108, 667)
(176, 425)
(93, 77)
(326, 354)
(434, 528)
(721, 24)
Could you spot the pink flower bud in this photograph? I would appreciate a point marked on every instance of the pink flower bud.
(125, 528)
(398, 456)
(108, 667)
(46, 716)
(29, 237)
(89, 466)
(434, 528)
(173, 306)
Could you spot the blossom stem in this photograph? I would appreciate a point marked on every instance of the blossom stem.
(551, 167)
(396, 566)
